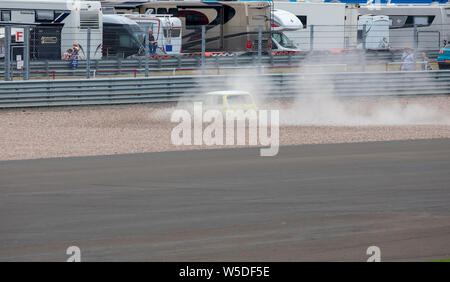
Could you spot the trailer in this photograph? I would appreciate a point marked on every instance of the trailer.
(424, 27)
(326, 26)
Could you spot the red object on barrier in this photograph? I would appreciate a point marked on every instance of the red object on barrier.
(52, 72)
(336, 51)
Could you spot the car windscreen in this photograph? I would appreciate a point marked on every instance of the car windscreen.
(282, 39)
(173, 33)
(213, 100)
(239, 99)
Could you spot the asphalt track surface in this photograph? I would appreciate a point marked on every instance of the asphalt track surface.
(311, 202)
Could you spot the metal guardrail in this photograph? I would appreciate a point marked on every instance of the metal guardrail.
(40, 93)
(64, 68)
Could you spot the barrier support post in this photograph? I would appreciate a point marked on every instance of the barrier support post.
(7, 53)
(416, 38)
(26, 53)
(203, 48)
(88, 54)
(147, 51)
(311, 38)
(363, 38)
(259, 48)
(416, 43)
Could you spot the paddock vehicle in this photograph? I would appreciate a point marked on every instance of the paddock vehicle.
(230, 26)
(59, 24)
(432, 23)
(166, 30)
(333, 25)
(375, 31)
(284, 21)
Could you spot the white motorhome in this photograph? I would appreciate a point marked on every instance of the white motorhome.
(74, 16)
(432, 22)
(334, 24)
(284, 21)
(167, 30)
(375, 31)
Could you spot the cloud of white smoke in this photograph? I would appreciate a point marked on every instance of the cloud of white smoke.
(321, 106)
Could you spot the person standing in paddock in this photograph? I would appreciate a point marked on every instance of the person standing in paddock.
(408, 60)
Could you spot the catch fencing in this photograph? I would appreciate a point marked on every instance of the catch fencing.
(189, 88)
(41, 50)
(63, 69)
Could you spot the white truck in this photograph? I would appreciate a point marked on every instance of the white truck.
(375, 31)
(284, 21)
(334, 24)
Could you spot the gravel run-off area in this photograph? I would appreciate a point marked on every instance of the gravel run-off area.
(105, 130)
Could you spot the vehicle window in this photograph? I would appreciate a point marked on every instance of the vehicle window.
(421, 20)
(161, 11)
(173, 12)
(145, 26)
(397, 21)
(173, 33)
(283, 40)
(176, 32)
(193, 19)
(239, 99)
(6, 16)
(276, 37)
(410, 21)
(124, 41)
(58, 13)
(304, 20)
(214, 100)
(45, 15)
(228, 13)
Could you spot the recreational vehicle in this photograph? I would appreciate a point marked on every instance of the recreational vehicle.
(71, 16)
(432, 23)
(167, 30)
(230, 26)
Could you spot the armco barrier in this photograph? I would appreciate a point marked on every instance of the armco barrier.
(175, 88)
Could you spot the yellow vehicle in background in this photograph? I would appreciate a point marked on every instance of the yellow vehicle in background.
(229, 100)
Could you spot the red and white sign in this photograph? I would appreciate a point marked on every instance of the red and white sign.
(19, 36)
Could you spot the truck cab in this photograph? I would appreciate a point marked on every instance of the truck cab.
(284, 21)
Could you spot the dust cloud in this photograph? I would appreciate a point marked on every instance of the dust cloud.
(321, 106)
